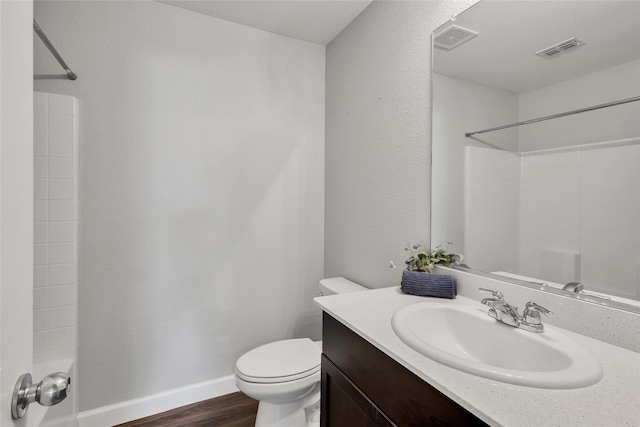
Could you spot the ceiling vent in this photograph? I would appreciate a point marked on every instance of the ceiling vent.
(560, 48)
(452, 37)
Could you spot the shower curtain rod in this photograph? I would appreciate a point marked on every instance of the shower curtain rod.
(555, 116)
(70, 74)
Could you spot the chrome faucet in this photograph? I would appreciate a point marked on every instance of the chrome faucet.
(508, 314)
(496, 297)
(576, 287)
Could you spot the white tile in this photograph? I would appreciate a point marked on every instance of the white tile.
(40, 232)
(61, 125)
(40, 124)
(61, 232)
(62, 338)
(62, 210)
(40, 275)
(62, 295)
(62, 253)
(40, 167)
(40, 298)
(61, 104)
(41, 358)
(62, 274)
(40, 254)
(61, 167)
(62, 353)
(61, 146)
(40, 320)
(40, 145)
(39, 103)
(40, 189)
(60, 317)
(40, 210)
(40, 342)
(61, 189)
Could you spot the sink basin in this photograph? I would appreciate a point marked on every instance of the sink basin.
(464, 337)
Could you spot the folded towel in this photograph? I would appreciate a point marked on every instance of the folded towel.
(428, 285)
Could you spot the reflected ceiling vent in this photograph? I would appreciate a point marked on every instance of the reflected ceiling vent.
(559, 48)
(452, 37)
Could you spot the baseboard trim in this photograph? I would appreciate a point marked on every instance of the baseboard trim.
(70, 421)
(124, 412)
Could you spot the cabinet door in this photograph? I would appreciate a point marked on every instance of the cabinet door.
(398, 393)
(343, 404)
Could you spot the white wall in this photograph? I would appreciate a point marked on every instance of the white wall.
(608, 124)
(378, 138)
(460, 107)
(202, 189)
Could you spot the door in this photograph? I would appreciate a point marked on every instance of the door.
(16, 201)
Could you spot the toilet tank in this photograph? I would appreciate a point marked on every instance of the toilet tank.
(339, 285)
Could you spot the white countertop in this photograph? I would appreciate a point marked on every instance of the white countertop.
(612, 402)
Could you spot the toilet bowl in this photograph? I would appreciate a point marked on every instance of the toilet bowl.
(284, 376)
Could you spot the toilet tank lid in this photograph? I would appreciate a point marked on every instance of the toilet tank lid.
(339, 285)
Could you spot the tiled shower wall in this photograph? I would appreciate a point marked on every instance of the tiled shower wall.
(579, 206)
(584, 201)
(55, 227)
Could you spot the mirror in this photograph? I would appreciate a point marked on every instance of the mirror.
(552, 201)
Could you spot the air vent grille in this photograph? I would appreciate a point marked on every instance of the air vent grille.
(560, 48)
(452, 37)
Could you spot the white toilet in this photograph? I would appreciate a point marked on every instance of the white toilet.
(285, 375)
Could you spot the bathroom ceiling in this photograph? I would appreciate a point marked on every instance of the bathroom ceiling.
(503, 55)
(316, 21)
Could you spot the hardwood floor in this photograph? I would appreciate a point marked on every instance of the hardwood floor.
(231, 410)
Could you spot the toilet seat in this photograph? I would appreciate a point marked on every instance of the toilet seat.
(280, 361)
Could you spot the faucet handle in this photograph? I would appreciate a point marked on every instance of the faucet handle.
(496, 294)
(530, 306)
(531, 317)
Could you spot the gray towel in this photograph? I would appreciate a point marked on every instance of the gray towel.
(428, 285)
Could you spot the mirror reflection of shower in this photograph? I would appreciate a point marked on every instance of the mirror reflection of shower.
(555, 199)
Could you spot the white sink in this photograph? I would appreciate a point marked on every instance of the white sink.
(464, 337)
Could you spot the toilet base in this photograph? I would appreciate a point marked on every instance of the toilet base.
(301, 413)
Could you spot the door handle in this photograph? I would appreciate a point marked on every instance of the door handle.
(52, 390)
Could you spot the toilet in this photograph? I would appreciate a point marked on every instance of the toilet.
(284, 376)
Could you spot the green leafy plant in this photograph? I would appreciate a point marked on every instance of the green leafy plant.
(425, 259)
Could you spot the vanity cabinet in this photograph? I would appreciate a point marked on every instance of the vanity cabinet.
(362, 387)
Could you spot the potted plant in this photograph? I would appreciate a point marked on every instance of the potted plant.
(423, 260)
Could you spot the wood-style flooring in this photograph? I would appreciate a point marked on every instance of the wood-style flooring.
(231, 410)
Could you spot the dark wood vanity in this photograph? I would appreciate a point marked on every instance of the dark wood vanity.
(362, 386)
